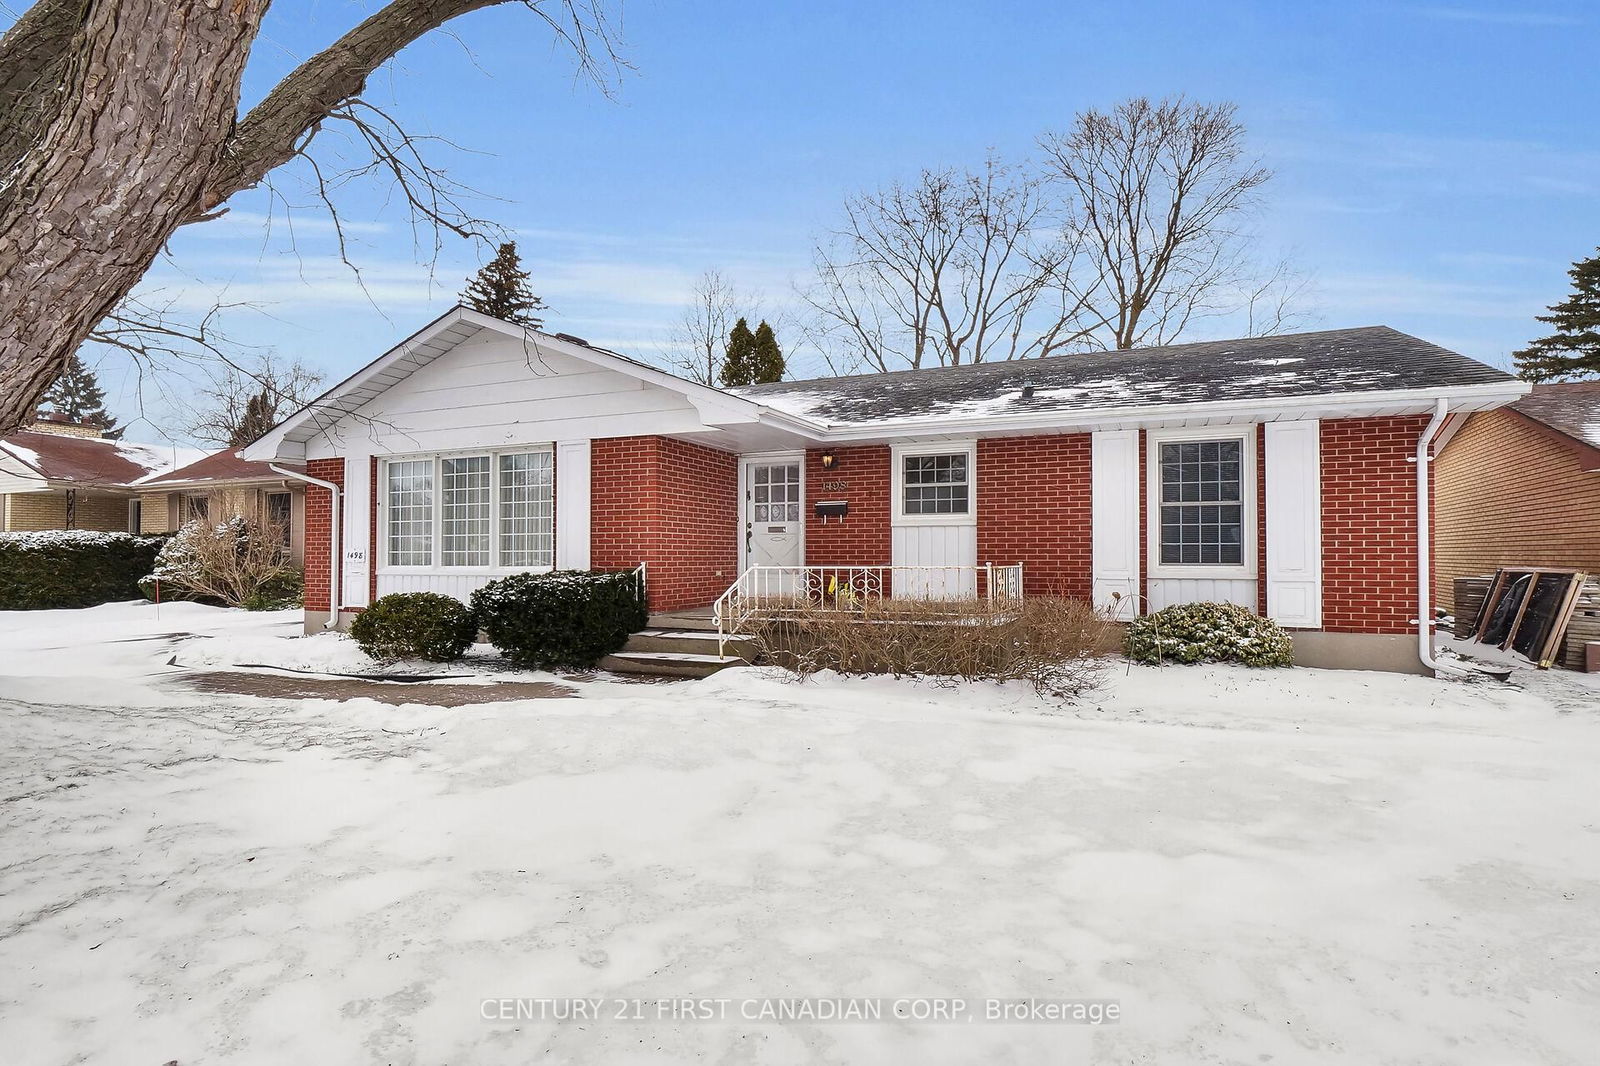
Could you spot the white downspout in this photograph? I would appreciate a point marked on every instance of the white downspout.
(1424, 550)
(333, 537)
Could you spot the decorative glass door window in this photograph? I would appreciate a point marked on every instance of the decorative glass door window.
(1202, 519)
(936, 484)
(775, 492)
(410, 514)
(464, 511)
(527, 509)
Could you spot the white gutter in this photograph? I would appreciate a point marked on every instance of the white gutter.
(1425, 621)
(333, 537)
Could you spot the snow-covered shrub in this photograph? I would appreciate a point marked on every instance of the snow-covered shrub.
(415, 625)
(236, 563)
(567, 619)
(1057, 645)
(60, 568)
(1209, 632)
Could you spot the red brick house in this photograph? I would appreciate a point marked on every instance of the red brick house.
(1279, 473)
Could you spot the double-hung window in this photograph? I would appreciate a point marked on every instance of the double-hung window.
(485, 511)
(1202, 502)
(934, 485)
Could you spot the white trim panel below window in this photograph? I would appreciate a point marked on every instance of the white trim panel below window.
(1294, 522)
(1165, 592)
(573, 504)
(1114, 491)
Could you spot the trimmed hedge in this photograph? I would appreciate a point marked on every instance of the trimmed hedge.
(415, 625)
(569, 619)
(64, 568)
(1209, 632)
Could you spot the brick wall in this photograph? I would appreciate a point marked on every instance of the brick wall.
(30, 511)
(862, 537)
(1369, 508)
(319, 513)
(1513, 493)
(1035, 507)
(671, 505)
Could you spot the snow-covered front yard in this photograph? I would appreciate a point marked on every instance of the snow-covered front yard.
(1257, 867)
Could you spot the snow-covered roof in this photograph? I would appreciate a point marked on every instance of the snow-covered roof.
(227, 465)
(91, 460)
(1370, 359)
(1570, 407)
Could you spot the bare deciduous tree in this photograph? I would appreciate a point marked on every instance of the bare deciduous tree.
(119, 124)
(699, 337)
(238, 403)
(945, 271)
(1159, 192)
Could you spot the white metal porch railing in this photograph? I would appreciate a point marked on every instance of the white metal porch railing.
(771, 590)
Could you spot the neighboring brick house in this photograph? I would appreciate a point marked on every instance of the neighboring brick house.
(1520, 486)
(1278, 473)
(62, 475)
(223, 485)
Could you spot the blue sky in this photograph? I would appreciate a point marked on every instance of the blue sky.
(1437, 164)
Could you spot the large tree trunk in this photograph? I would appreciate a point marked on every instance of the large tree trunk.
(149, 99)
(119, 123)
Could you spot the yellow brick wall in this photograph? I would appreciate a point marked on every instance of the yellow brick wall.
(27, 511)
(1509, 495)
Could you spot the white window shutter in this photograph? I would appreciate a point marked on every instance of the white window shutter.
(1114, 480)
(572, 505)
(1294, 523)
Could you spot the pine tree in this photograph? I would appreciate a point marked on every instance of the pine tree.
(77, 395)
(767, 365)
(259, 417)
(501, 289)
(738, 358)
(1574, 348)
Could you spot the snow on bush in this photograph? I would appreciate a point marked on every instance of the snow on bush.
(415, 625)
(236, 563)
(567, 619)
(68, 568)
(1209, 632)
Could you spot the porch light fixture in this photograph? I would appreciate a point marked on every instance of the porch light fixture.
(829, 460)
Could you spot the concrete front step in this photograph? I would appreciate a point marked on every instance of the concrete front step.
(696, 641)
(669, 663)
(697, 619)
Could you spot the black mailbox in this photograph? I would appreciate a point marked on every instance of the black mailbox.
(832, 509)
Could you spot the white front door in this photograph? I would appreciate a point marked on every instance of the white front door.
(774, 496)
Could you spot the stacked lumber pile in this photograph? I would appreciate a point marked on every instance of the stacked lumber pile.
(1582, 627)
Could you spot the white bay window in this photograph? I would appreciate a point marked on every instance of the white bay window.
(484, 511)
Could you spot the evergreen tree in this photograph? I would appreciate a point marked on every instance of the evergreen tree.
(501, 289)
(1574, 348)
(77, 395)
(259, 417)
(738, 358)
(767, 365)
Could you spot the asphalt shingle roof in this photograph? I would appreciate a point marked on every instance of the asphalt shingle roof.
(1571, 407)
(1364, 359)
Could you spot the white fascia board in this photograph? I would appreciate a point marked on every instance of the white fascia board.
(1323, 405)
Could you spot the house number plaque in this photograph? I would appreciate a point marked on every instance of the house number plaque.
(835, 486)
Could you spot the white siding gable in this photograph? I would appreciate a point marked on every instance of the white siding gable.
(493, 390)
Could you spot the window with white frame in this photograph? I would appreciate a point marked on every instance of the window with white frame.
(1202, 502)
(527, 509)
(932, 485)
(464, 511)
(410, 513)
(472, 511)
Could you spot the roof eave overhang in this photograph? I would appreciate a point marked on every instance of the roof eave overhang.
(1259, 409)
